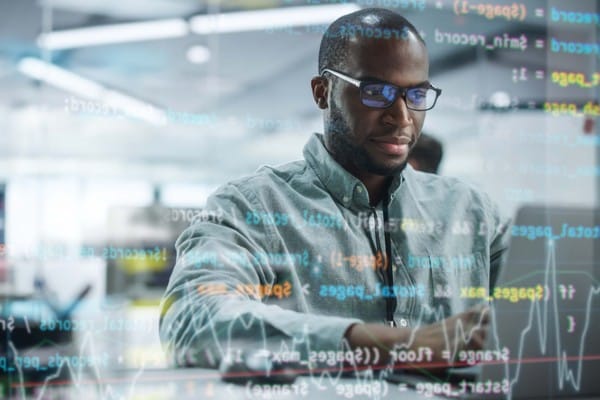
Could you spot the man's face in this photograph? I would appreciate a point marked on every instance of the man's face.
(368, 140)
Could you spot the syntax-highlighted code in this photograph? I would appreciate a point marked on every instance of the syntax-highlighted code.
(504, 41)
(533, 232)
(560, 108)
(565, 79)
(512, 294)
(560, 46)
(574, 17)
(359, 261)
(516, 11)
(342, 292)
(9, 364)
(256, 290)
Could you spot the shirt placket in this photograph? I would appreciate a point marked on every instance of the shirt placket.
(376, 235)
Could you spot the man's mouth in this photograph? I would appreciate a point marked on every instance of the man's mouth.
(393, 145)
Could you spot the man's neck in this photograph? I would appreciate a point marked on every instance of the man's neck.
(377, 186)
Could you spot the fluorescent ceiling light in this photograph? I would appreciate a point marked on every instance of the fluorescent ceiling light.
(198, 54)
(60, 78)
(73, 83)
(109, 34)
(201, 24)
(269, 19)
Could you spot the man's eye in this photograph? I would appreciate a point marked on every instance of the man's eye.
(388, 92)
(374, 90)
(417, 95)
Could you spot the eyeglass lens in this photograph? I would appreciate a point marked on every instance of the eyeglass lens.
(382, 95)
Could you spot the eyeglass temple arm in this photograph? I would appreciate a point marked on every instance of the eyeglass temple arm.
(353, 81)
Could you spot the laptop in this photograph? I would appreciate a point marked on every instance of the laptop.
(544, 336)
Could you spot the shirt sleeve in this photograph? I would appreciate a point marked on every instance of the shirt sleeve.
(215, 301)
(498, 242)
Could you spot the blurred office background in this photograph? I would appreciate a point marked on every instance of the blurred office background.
(118, 118)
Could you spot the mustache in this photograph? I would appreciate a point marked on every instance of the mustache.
(395, 137)
(337, 124)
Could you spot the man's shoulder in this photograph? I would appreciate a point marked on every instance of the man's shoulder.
(455, 199)
(272, 177)
(429, 181)
(446, 187)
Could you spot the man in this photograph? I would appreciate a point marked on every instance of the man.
(427, 154)
(350, 248)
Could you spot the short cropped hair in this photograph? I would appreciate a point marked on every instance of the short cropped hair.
(367, 23)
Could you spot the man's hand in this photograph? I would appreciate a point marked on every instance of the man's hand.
(464, 331)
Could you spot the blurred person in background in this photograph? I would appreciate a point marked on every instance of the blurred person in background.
(427, 154)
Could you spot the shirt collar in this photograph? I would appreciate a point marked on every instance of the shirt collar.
(342, 185)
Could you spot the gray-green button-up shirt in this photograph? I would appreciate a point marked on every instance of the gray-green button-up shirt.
(292, 256)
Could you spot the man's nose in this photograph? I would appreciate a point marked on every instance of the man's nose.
(398, 113)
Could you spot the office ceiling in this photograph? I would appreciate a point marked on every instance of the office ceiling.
(253, 92)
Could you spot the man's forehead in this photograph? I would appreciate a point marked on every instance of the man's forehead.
(372, 53)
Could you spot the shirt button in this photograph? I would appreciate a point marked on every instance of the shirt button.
(403, 322)
(346, 199)
(359, 189)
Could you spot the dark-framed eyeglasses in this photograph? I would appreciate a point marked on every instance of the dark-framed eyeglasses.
(380, 94)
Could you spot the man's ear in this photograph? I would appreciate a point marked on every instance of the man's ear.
(320, 90)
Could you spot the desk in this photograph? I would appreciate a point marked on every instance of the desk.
(129, 364)
(183, 384)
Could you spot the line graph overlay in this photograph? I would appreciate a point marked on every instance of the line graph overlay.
(79, 376)
(539, 316)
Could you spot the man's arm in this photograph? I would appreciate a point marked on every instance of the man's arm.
(498, 237)
(205, 315)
